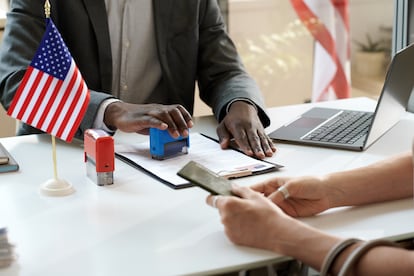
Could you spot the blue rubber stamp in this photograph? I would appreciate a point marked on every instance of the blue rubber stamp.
(163, 145)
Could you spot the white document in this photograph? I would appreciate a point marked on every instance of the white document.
(203, 150)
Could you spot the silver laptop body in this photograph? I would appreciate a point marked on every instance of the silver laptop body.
(391, 106)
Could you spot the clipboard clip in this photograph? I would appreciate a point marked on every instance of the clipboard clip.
(235, 173)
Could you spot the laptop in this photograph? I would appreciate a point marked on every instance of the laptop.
(355, 130)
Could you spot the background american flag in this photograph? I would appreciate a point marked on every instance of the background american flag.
(328, 22)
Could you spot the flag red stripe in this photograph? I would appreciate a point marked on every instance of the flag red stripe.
(29, 97)
(79, 118)
(340, 83)
(19, 92)
(62, 102)
(79, 107)
(39, 100)
(73, 104)
(317, 29)
(40, 112)
(342, 7)
(48, 106)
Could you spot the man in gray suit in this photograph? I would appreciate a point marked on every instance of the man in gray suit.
(141, 60)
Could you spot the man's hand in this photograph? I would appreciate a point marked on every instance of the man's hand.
(140, 117)
(243, 124)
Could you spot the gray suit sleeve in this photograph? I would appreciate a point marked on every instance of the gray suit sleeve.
(222, 76)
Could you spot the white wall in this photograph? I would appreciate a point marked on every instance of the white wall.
(366, 16)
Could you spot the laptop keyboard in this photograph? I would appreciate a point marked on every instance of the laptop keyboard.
(346, 128)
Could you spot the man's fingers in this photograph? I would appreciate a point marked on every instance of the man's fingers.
(267, 145)
(187, 116)
(176, 117)
(255, 144)
(241, 139)
(180, 120)
(224, 135)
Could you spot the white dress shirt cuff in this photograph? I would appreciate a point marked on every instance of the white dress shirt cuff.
(99, 120)
(240, 99)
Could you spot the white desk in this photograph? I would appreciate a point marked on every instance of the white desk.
(139, 226)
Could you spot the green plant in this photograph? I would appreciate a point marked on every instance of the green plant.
(372, 45)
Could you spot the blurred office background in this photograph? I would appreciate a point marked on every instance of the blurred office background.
(277, 49)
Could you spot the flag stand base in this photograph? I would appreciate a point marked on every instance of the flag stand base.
(56, 187)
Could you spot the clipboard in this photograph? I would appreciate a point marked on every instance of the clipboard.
(228, 163)
(240, 173)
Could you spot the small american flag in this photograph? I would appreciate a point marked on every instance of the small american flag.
(53, 96)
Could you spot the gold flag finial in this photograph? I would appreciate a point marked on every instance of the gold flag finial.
(47, 9)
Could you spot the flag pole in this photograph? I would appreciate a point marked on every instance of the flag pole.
(47, 14)
(47, 9)
(55, 186)
(54, 157)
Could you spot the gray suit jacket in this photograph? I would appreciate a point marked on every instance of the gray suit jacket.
(192, 46)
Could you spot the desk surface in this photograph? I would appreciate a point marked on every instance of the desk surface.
(141, 226)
